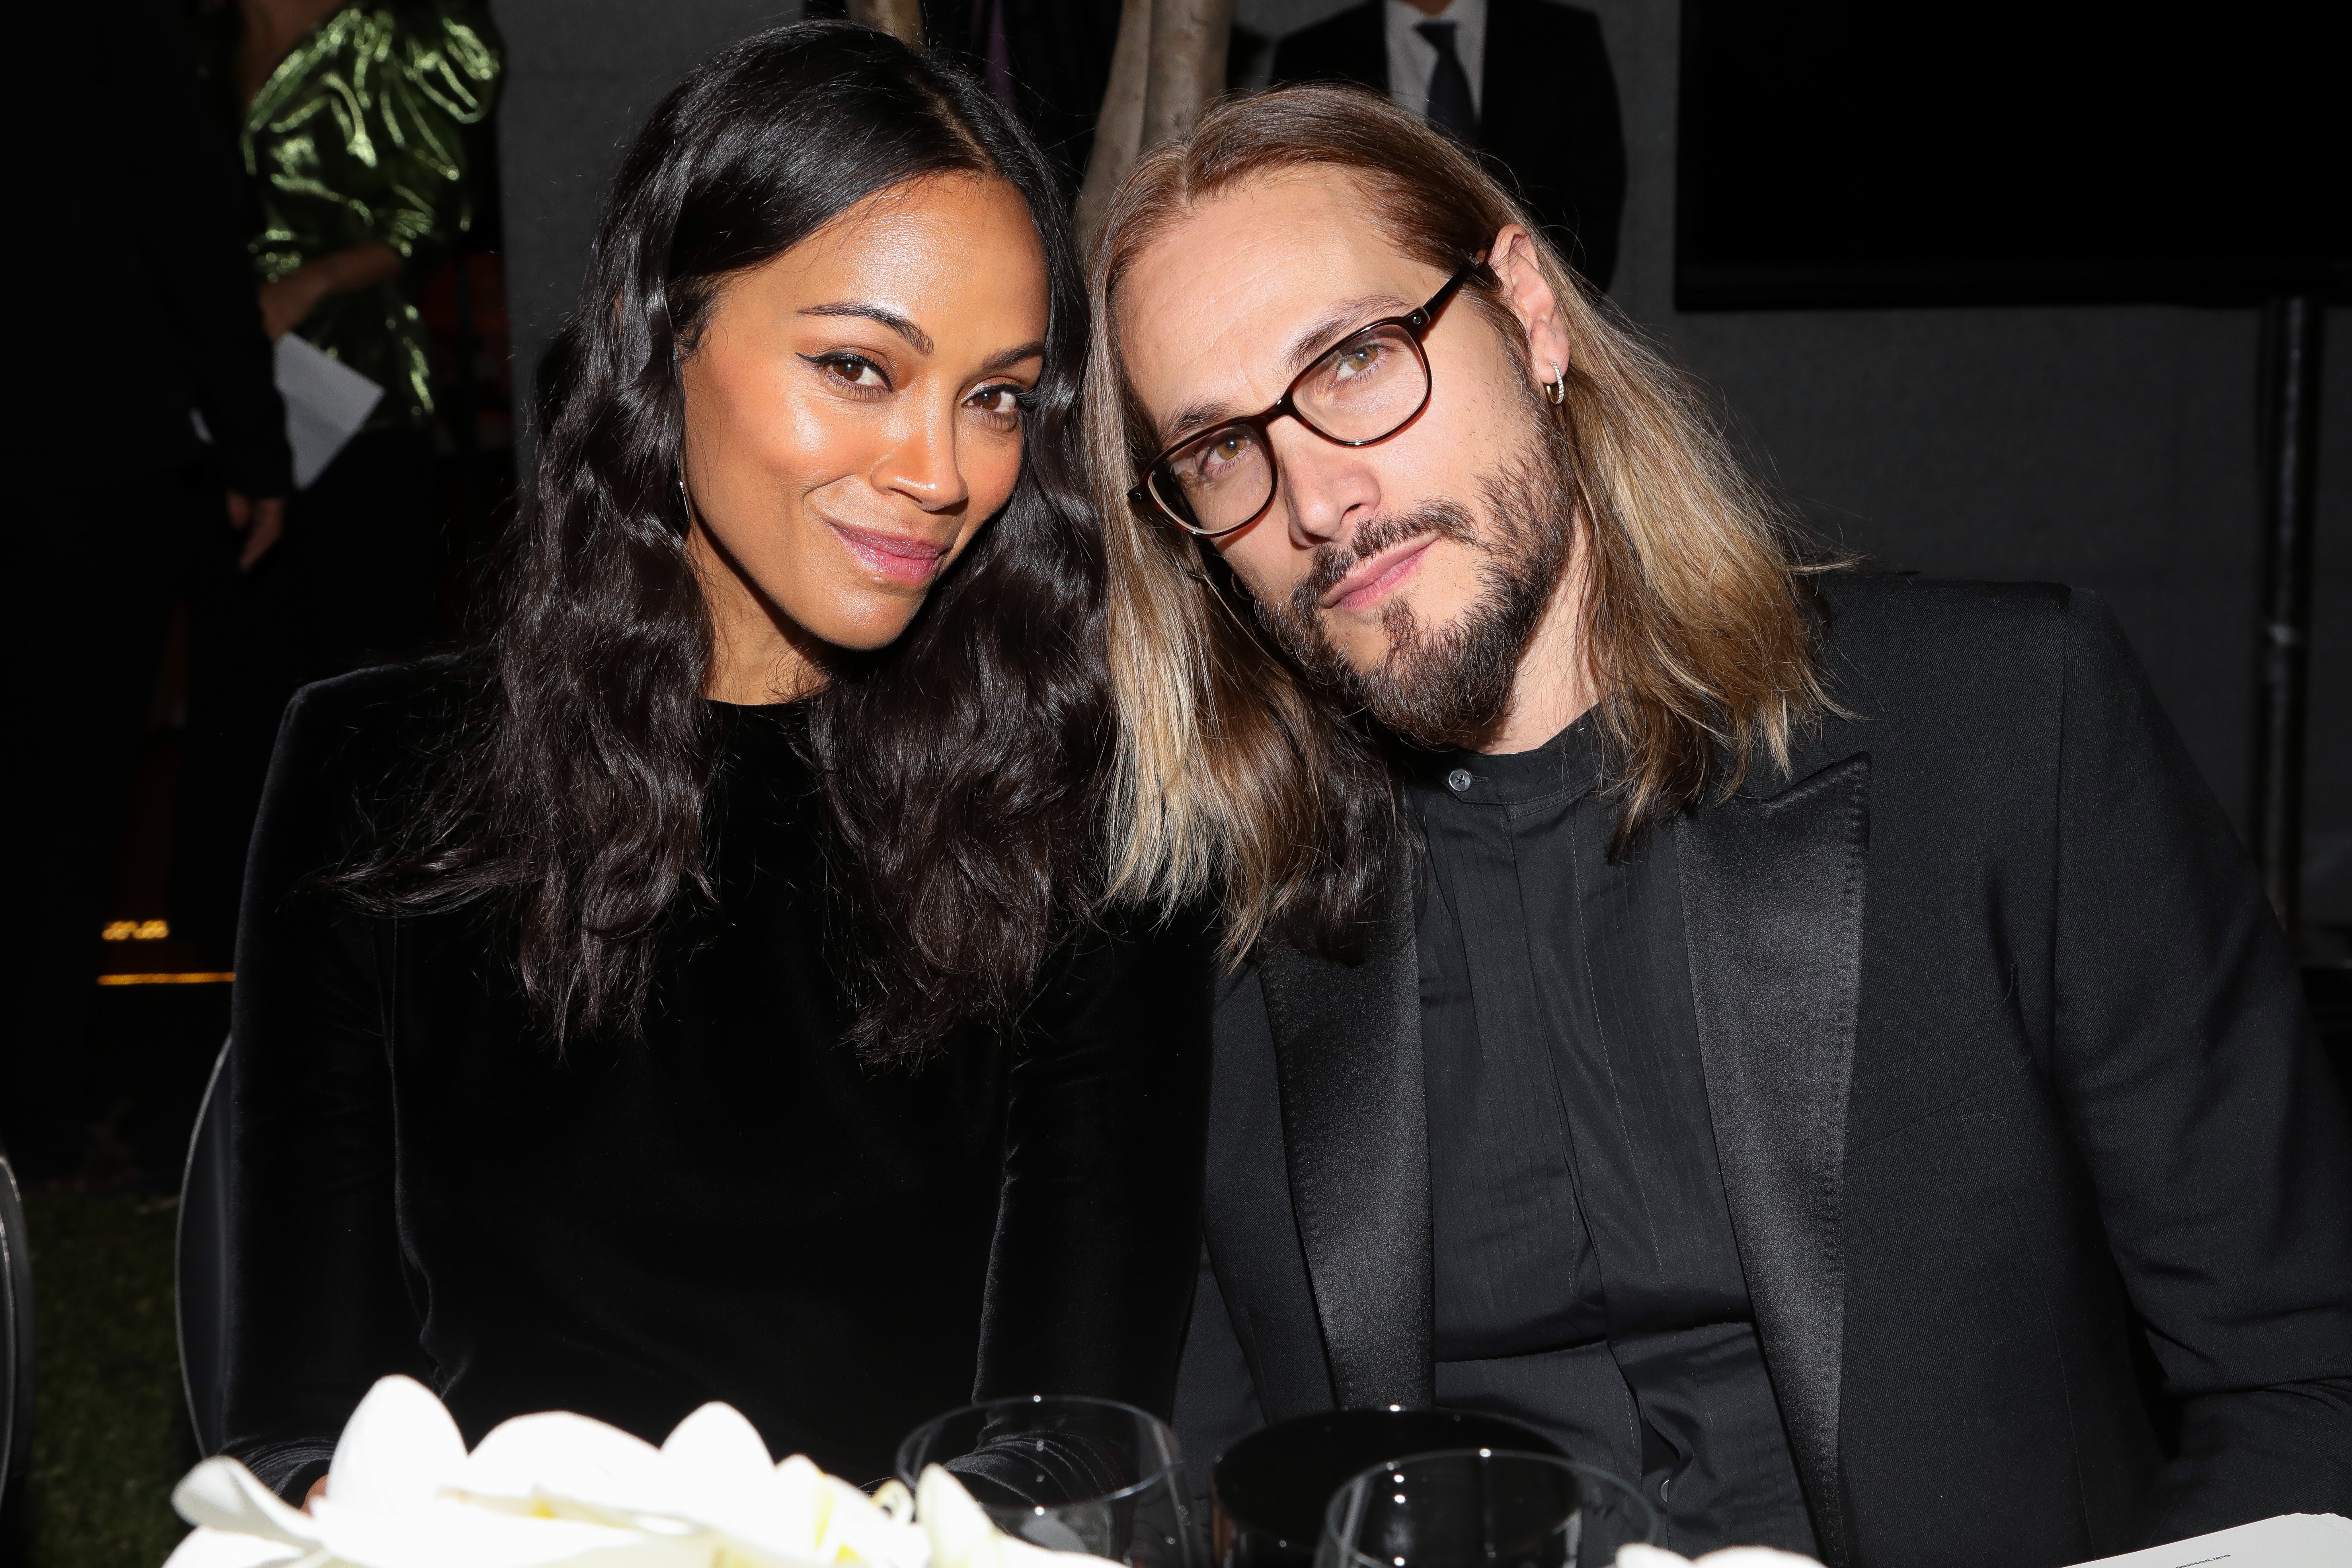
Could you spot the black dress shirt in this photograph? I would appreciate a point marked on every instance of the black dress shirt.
(1586, 1279)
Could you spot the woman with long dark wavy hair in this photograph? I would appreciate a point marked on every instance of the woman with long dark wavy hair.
(693, 991)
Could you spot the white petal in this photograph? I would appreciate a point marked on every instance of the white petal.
(958, 1529)
(569, 1456)
(207, 1548)
(450, 1533)
(1641, 1555)
(722, 1476)
(798, 1502)
(400, 1447)
(720, 1445)
(224, 1494)
(963, 1536)
(1753, 1557)
(856, 1530)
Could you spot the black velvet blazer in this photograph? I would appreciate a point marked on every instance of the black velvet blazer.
(728, 1205)
(2010, 1082)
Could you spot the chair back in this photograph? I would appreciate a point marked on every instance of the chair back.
(203, 1266)
(16, 1335)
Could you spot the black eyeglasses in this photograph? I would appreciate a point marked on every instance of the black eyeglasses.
(1372, 386)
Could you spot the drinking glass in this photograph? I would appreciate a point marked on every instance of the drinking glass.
(1067, 1472)
(1483, 1508)
(1269, 1489)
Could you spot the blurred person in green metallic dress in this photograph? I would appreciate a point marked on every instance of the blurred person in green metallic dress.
(356, 122)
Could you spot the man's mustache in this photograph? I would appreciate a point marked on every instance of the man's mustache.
(1445, 519)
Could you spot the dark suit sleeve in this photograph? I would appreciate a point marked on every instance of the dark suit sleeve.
(318, 1306)
(2214, 1134)
(1092, 1272)
(194, 258)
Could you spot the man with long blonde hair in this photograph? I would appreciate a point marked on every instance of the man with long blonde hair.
(1805, 1040)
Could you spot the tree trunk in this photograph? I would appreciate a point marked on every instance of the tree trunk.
(903, 20)
(1188, 65)
(1170, 65)
(1118, 130)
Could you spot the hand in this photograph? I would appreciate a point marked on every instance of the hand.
(317, 1490)
(261, 520)
(287, 303)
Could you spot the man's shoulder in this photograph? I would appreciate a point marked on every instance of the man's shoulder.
(1950, 676)
(1902, 630)
(1865, 597)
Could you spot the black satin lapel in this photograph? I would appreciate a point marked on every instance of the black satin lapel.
(1772, 899)
(1356, 1135)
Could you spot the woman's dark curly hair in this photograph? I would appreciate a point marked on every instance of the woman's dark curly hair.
(959, 763)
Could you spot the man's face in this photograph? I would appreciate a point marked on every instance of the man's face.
(1409, 572)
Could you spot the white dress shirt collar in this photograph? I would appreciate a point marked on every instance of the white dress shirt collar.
(1412, 56)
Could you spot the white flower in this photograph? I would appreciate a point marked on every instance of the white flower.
(1635, 1554)
(543, 1491)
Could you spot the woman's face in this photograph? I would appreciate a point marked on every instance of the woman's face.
(853, 416)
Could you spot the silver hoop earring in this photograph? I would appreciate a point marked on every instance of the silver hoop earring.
(1556, 389)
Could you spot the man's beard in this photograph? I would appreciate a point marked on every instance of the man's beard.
(1449, 686)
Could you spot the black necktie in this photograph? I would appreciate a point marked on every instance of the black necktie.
(1451, 107)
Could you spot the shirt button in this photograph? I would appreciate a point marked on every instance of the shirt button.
(1458, 780)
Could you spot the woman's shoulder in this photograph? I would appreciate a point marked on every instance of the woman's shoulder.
(377, 729)
(355, 757)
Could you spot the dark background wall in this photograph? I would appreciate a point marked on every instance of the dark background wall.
(2110, 447)
(581, 75)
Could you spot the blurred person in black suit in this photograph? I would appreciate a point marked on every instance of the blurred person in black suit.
(1525, 81)
(123, 488)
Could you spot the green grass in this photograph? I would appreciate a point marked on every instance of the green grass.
(111, 1433)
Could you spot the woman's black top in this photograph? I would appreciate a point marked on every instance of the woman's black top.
(727, 1204)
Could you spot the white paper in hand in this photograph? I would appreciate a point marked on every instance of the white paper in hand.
(326, 402)
(2289, 1541)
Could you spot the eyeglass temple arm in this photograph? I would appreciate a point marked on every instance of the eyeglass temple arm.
(1426, 316)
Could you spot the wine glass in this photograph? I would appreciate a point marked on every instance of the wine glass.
(1067, 1472)
(1268, 1490)
(1483, 1508)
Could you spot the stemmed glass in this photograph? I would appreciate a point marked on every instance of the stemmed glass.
(1483, 1508)
(1067, 1472)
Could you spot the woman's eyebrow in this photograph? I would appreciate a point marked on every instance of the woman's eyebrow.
(916, 339)
(1011, 357)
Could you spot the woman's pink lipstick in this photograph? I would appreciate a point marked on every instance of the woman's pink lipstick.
(893, 556)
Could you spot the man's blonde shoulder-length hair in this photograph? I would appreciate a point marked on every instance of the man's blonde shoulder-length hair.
(1231, 776)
